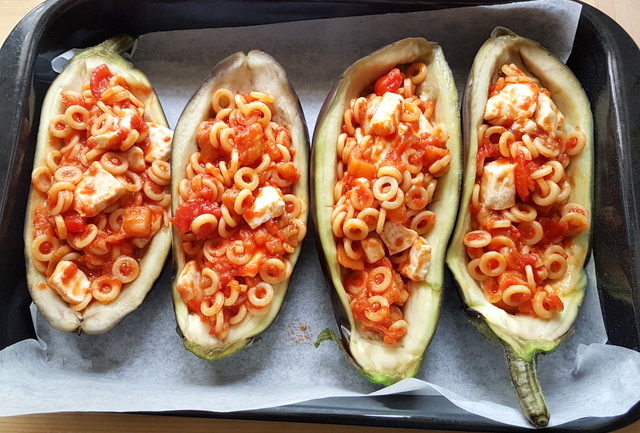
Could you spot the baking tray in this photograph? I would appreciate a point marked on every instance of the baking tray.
(605, 60)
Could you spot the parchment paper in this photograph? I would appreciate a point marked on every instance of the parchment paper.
(141, 365)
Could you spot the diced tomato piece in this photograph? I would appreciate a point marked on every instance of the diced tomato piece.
(360, 168)
(347, 261)
(510, 278)
(390, 82)
(288, 171)
(136, 221)
(74, 222)
(552, 229)
(552, 302)
(250, 142)
(99, 81)
(189, 210)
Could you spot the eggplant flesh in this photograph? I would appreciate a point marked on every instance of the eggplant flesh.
(524, 336)
(242, 73)
(97, 317)
(377, 361)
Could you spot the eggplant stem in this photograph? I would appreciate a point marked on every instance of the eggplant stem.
(525, 381)
(117, 44)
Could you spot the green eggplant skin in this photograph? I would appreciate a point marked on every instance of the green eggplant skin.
(376, 361)
(523, 337)
(96, 318)
(240, 72)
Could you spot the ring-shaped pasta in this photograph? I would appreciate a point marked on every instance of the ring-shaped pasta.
(239, 316)
(114, 163)
(417, 72)
(41, 178)
(125, 268)
(556, 266)
(241, 202)
(577, 142)
(516, 294)
(209, 307)
(246, 177)
(378, 308)
(222, 99)
(493, 264)
(523, 212)
(423, 222)
(477, 239)
(160, 172)
(82, 305)
(389, 170)
(385, 188)
(260, 295)
(379, 279)
(548, 199)
(260, 107)
(44, 247)
(530, 232)
(58, 127)
(131, 181)
(538, 305)
(273, 271)
(205, 223)
(355, 229)
(210, 281)
(76, 117)
(575, 222)
(105, 288)
(234, 293)
(473, 268)
(397, 201)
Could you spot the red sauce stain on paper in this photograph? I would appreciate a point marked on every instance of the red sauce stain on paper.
(299, 333)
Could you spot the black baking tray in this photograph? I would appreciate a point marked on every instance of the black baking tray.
(605, 60)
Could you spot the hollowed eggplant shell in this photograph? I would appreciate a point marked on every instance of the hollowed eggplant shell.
(255, 71)
(96, 318)
(524, 334)
(379, 362)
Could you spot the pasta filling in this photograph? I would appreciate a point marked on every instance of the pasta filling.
(523, 224)
(104, 190)
(390, 156)
(238, 216)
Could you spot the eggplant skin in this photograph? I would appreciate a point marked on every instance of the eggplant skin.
(96, 318)
(240, 72)
(525, 335)
(376, 361)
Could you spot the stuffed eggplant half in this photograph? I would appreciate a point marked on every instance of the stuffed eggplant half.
(240, 203)
(522, 235)
(386, 174)
(97, 231)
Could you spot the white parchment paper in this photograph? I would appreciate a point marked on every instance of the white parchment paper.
(141, 365)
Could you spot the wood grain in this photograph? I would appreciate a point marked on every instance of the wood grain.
(625, 12)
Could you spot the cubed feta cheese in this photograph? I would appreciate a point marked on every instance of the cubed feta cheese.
(373, 249)
(387, 116)
(124, 118)
(514, 101)
(396, 237)
(189, 281)
(547, 116)
(417, 265)
(159, 143)
(107, 140)
(268, 204)
(69, 282)
(424, 126)
(97, 190)
(498, 185)
(526, 126)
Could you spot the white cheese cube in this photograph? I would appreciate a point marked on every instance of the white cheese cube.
(547, 115)
(124, 118)
(189, 281)
(526, 126)
(107, 140)
(97, 190)
(514, 101)
(69, 282)
(498, 185)
(387, 116)
(268, 204)
(417, 265)
(396, 237)
(373, 249)
(424, 126)
(159, 143)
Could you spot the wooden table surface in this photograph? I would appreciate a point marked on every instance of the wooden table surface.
(624, 12)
